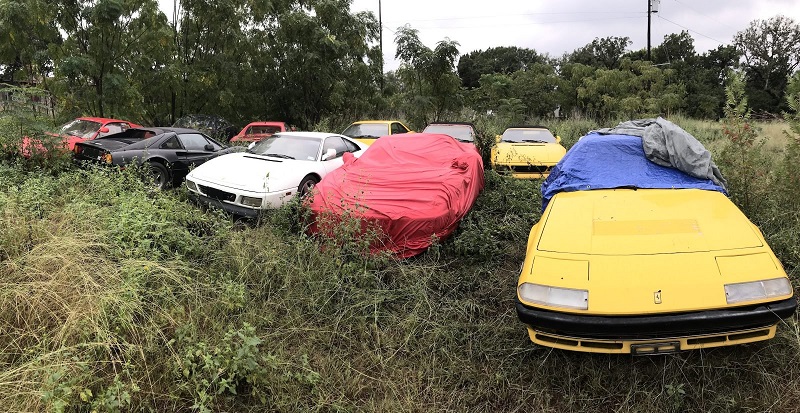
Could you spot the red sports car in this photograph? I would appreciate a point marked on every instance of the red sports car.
(79, 130)
(257, 131)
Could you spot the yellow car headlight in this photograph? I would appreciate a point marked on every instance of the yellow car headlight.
(757, 290)
(554, 296)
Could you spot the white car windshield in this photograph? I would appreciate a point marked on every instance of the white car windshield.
(288, 147)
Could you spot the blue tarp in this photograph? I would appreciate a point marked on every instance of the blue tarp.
(614, 161)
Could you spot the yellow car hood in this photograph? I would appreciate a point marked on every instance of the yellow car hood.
(648, 250)
(644, 221)
(508, 153)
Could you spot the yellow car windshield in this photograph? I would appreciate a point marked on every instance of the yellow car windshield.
(528, 135)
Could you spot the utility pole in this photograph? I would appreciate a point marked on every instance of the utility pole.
(652, 7)
(380, 40)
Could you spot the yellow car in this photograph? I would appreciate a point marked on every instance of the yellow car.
(527, 152)
(366, 131)
(633, 257)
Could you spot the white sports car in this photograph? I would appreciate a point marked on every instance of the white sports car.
(271, 171)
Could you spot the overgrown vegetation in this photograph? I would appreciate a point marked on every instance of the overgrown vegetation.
(118, 297)
(306, 61)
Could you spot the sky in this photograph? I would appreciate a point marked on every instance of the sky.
(561, 26)
(558, 27)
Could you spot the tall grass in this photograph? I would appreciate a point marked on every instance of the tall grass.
(118, 297)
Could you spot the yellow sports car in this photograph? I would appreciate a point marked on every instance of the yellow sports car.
(366, 131)
(634, 257)
(528, 152)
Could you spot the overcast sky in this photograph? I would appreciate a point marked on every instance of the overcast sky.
(558, 27)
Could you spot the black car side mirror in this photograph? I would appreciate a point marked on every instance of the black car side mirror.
(209, 147)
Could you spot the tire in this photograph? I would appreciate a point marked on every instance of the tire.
(159, 175)
(306, 185)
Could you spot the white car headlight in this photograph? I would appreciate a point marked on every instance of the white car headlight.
(757, 290)
(252, 201)
(191, 185)
(554, 296)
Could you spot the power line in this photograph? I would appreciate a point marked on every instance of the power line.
(660, 16)
(506, 24)
(703, 14)
(635, 14)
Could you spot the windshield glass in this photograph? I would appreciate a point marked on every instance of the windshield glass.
(288, 147)
(263, 130)
(81, 128)
(367, 130)
(528, 135)
(460, 132)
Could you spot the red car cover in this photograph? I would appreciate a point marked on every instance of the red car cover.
(413, 187)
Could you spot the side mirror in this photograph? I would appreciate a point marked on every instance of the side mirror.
(558, 139)
(330, 154)
(250, 146)
(209, 147)
(104, 129)
(497, 138)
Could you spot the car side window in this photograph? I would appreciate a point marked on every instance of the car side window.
(112, 129)
(171, 143)
(398, 128)
(351, 147)
(193, 141)
(336, 143)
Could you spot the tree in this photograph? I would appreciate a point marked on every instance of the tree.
(637, 88)
(93, 74)
(322, 59)
(771, 53)
(742, 158)
(27, 30)
(705, 81)
(674, 48)
(603, 52)
(506, 60)
(431, 84)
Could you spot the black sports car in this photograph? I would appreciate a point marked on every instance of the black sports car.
(168, 151)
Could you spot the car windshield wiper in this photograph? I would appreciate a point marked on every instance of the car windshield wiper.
(534, 140)
(509, 141)
(279, 155)
(366, 136)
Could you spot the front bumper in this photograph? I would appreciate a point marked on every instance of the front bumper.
(622, 334)
(524, 171)
(231, 199)
(229, 208)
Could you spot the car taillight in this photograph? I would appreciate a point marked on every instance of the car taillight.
(107, 158)
(77, 149)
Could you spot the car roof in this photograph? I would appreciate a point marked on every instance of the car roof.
(614, 161)
(375, 121)
(164, 129)
(452, 123)
(318, 135)
(102, 120)
(527, 127)
(266, 123)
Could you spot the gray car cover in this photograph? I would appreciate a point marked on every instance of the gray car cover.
(666, 144)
